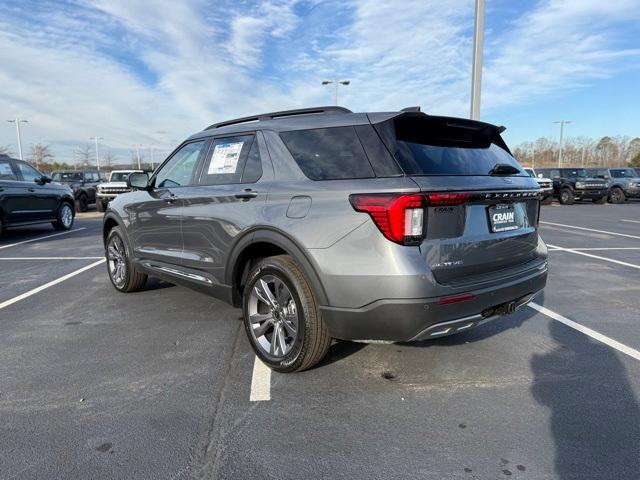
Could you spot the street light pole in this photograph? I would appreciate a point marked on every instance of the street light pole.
(562, 124)
(18, 121)
(138, 156)
(476, 70)
(97, 156)
(335, 89)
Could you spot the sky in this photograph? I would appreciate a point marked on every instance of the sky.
(152, 72)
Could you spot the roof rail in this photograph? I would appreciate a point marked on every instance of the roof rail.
(410, 109)
(284, 113)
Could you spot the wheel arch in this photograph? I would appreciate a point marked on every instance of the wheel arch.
(265, 242)
(110, 221)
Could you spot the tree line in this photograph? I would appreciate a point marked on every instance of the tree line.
(42, 158)
(618, 151)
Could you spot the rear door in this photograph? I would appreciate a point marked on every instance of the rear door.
(12, 194)
(480, 220)
(39, 201)
(227, 198)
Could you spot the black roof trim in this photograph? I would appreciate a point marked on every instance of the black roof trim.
(411, 109)
(284, 113)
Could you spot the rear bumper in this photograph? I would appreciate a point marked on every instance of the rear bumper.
(420, 318)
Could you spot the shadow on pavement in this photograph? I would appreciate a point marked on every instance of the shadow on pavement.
(595, 418)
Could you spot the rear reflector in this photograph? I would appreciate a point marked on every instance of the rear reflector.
(456, 298)
(439, 199)
(400, 217)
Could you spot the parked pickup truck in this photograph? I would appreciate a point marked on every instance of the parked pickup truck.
(623, 182)
(116, 185)
(545, 184)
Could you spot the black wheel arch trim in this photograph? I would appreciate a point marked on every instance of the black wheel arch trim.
(268, 234)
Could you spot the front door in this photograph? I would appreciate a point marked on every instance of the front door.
(156, 215)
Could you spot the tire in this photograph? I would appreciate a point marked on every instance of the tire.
(83, 203)
(566, 197)
(118, 256)
(600, 201)
(296, 316)
(101, 206)
(64, 217)
(616, 195)
(1, 227)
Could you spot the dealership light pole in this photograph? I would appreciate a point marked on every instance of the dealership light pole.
(97, 156)
(562, 124)
(335, 90)
(18, 121)
(138, 156)
(476, 70)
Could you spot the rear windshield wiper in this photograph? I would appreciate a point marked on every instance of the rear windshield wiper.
(503, 169)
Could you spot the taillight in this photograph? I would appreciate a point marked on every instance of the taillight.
(400, 217)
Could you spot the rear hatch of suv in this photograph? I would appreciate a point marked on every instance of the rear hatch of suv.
(481, 209)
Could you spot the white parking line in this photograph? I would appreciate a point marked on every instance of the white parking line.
(592, 230)
(587, 331)
(598, 257)
(630, 221)
(13, 300)
(595, 249)
(50, 258)
(260, 382)
(42, 238)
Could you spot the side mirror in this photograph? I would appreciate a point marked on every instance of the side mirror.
(138, 181)
(42, 180)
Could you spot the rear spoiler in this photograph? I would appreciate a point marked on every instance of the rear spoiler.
(468, 128)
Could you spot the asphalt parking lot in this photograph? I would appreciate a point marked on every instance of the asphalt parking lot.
(163, 383)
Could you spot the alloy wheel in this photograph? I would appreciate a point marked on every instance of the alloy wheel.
(116, 257)
(66, 216)
(273, 315)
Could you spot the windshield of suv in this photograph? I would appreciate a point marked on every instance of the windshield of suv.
(623, 173)
(530, 172)
(119, 176)
(67, 177)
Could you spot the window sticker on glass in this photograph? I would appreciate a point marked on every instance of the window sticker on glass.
(225, 158)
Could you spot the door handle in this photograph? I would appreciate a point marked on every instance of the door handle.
(246, 194)
(31, 189)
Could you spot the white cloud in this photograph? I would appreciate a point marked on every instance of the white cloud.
(194, 64)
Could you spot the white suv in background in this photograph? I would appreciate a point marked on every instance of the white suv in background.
(545, 184)
(116, 185)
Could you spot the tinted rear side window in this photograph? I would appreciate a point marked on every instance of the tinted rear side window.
(328, 153)
(427, 146)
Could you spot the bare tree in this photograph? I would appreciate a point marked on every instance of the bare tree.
(110, 158)
(83, 155)
(40, 154)
(6, 150)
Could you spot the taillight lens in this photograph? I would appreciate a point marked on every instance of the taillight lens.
(400, 217)
(442, 199)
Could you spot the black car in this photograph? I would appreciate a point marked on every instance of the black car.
(28, 197)
(571, 184)
(84, 184)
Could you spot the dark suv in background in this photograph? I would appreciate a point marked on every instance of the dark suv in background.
(623, 182)
(322, 223)
(571, 184)
(83, 183)
(28, 197)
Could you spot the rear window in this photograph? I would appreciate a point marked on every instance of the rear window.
(67, 177)
(432, 146)
(624, 173)
(328, 153)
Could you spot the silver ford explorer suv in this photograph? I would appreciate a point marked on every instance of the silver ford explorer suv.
(326, 224)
